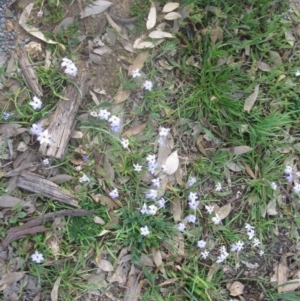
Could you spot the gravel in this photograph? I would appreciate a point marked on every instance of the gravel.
(7, 39)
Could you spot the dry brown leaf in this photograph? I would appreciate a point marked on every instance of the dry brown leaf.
(276, 59)
(165, 150)
(169, 281)
(151, 21)
(99, 220)
(263, 66)
(95, 8)
(9, 278)
(234, 167)
(172, 16)
(95, 98)
(105, 265)
(147, 261)
(138, 62)
(121, 96)
(113, 24)
(239, 150)
(157, 258)
(64, 24)
(271, 207)
(249, 102)
(224, 211)
(175, 209)
(170, 7)
(236, 289)
(144, 44)
(158, 34)
(249, 171)
(289, 37)
(53, 245)
(293, 284)
(135, 130)
(7, 201)
(172, 163)
(9, 25)
(282, 273)
(54, 292)
(102, 50)
(212, 271)
(105, 200)
(59, 179)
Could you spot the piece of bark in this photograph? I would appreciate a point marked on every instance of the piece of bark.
(35, 225)
(38, 184)
(23, 160)
(63, 119)
(15, 236)
(29, 75)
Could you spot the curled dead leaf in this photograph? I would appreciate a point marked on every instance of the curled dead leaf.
(236, 289)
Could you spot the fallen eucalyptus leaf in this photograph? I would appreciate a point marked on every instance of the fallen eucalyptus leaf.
(172, 16)
(170, 7)
(249, 102)
(95, 8)
(172, 163)
(158, 34)
(263, 66)
(151, 21)
(239, 150)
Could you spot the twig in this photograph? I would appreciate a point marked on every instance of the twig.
(207, 123)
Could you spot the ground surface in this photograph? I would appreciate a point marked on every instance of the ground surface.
(223, 110)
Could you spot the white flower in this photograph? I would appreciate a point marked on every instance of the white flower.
(37, 257)
(164, 168)
(152, 167)
(93, 114)
(161, 203)
(144, 231)
(297, 73)
(46, 162)
(193, 196)
(152, 209)
(36, 103)
(218, 187)
(115, 128)
(66, 62)
(221, 258)
(103, 114)
(248, 227)
(288, 170)
(216, 219)
(114, 120)
(40, 14)
(44, 137)
(181, 227)
(144, 209)
(135, 73)
(151, 159)
(237, 247)
(194, 205)
(114, 193)
(156, 182)
(251, 234)
(148, 85)
(137, 167)
(84, 179)
(191, 218)
(6, 115)
(261, 253)
(209, 209)
(151, 194)
(273, 185)
(204, 254)
(289, 178)
(201, 244)
(296, 188)
(164, 132)
(125, 143)
(191, 181)
(36, 129)
(71, 69)
(256, 243)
